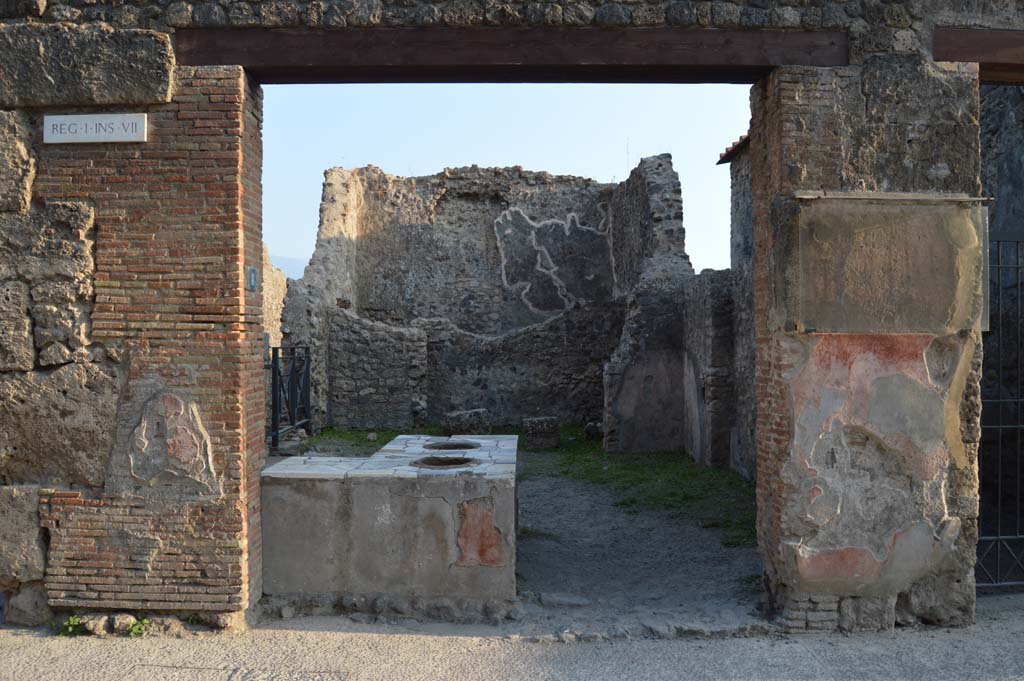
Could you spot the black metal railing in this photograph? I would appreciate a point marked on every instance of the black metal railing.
(290, 406)
(1001, 460)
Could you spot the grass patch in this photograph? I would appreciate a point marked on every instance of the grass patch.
(713, 497)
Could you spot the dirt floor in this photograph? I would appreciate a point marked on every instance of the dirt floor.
(586, 564)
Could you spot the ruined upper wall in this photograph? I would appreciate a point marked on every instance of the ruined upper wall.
(645, 228)
(488, 249)
(874, 25)
(487, 252)
(274, 287)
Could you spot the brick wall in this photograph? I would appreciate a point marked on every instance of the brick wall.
(177, 220)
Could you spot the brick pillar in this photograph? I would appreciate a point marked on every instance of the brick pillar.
(177, 223)
(867, 281)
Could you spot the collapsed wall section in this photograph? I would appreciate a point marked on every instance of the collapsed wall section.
(505, 263)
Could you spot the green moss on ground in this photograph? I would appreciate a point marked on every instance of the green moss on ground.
(713, 497)
(360, 437)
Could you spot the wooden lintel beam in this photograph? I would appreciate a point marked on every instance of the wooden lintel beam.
(999, 53)
(538, 54)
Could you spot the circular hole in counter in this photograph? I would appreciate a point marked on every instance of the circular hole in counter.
(450, 445)
(445, 462)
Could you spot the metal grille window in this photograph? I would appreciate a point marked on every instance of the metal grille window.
(1001, 544)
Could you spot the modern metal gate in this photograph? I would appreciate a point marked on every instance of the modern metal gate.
(289, 392)
(1001, 544)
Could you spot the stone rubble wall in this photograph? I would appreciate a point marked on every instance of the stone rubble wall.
(490, 249)
(898, 26)
(377, 374)
(648, 241)
(553, 368)
(496, 252)
(59, 386)
(275, 288)
(667, 386)
(709, 341)
(388, 377)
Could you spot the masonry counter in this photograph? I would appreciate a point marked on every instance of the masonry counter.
(426, 525)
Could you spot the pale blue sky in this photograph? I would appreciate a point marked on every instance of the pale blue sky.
(597, 131)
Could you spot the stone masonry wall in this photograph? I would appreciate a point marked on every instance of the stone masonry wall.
(495, 252)
(50, 366)
(867, 424)
(377, 374)
(490, 249)
(899, 26)
(709, 340)
(553, 368)
(274, 287)
(60, 377)
(644, 394)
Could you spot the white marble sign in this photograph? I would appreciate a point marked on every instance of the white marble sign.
(95, 128)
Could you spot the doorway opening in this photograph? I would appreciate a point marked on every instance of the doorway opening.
(561, 307)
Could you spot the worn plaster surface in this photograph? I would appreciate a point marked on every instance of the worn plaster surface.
(867, 410)
(386, 532)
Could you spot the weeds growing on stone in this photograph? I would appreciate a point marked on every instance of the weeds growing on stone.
(138, 630)
(72, 626)
(714, 497)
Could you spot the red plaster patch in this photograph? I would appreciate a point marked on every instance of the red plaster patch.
(904, 351)
(849, 364)
(480, 542)
(853, 564)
